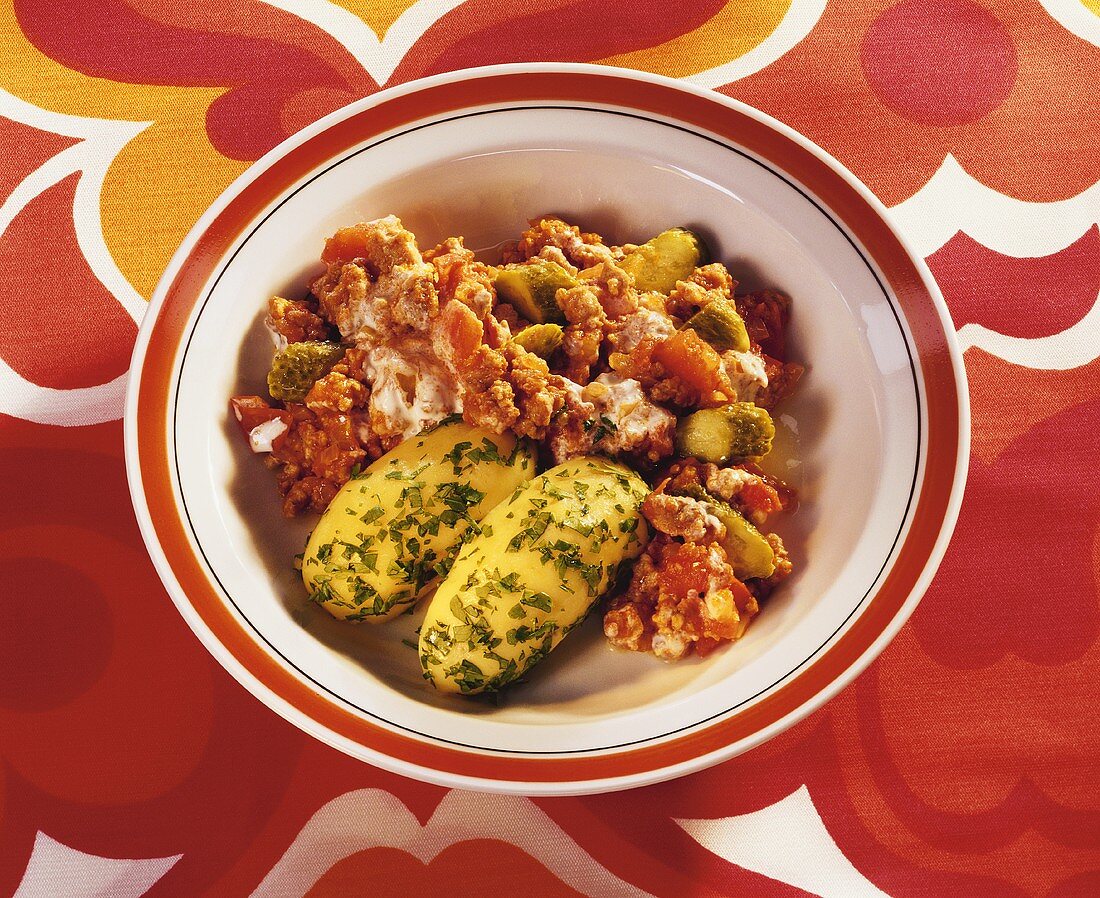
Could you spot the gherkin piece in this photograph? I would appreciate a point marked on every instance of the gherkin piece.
(297, 367)
(721, 326)
(737, 430)
(669, 257)
(531, 287)
(749, 553)
(540, 339)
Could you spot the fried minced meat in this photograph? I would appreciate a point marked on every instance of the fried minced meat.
(706, 283)
(745, 487)
(328, 436)
(766, 314)
(582, 337)
(610, 416)
(613, 287)
(782, 378)
(296, 321)
(376, 282)
(413, 317)
(682, 597)
(570, 433)
(505, 388)
(680, 370)
(783, 568)
(598, 307)
(460, 276)
(623, 335)
(682, 516)
(581, 250)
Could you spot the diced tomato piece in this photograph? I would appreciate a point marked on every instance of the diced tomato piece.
(689, 357)
(766, 314)
(251, 411)
(784, 496)
(684, 568)
(346, 244)
(462, 330)
(705, 645)
(760, 496)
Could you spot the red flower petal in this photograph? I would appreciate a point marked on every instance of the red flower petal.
(939, 62)
(1029, 297)
(263, 71)
(35, 147)
(1037, 144)
(565, 30)
(150, 749)
(59, 327)
(500, 869)
(1019, 576)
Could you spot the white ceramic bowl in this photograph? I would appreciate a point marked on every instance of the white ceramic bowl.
(877, 432)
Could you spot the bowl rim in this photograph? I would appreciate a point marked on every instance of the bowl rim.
(251, 665)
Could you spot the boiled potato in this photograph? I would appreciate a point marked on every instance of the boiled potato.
(392, 530)
(542, 560)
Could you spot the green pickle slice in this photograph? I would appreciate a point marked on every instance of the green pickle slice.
(540, 339)
(531, 287)
(716, 435)
(297, 367)
(669, 257)
(749, 553)
(721, 326)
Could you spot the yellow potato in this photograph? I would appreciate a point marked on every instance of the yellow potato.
(542, 560)
(393, 530)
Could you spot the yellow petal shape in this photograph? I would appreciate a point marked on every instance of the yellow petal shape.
(161, 181)
(735, 30)
(379, 15)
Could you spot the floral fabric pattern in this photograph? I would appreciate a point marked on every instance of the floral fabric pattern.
(963, 762)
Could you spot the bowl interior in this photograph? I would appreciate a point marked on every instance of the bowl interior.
(849, 438)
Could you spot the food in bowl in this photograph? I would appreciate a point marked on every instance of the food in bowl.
(415, 397)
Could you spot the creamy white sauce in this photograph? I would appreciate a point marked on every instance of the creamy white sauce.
(262, 436)
(719, 603)
(554, 254)
(623, 402)
(409, 400)
(361, 321)
(639, 324)
(746, 373)
(713, 522)
(279, 341)
(728, 482)
(670, 646)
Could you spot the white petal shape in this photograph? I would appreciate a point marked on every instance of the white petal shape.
(788, 842)
(79, 407)
(953, 201)
(56, 870)
(1075, 17)
(373, 818)
(1075, 346)
(799, 21)
(379, 56)
(100, 142)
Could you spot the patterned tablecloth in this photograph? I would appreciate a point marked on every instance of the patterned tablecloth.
(963, 762)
